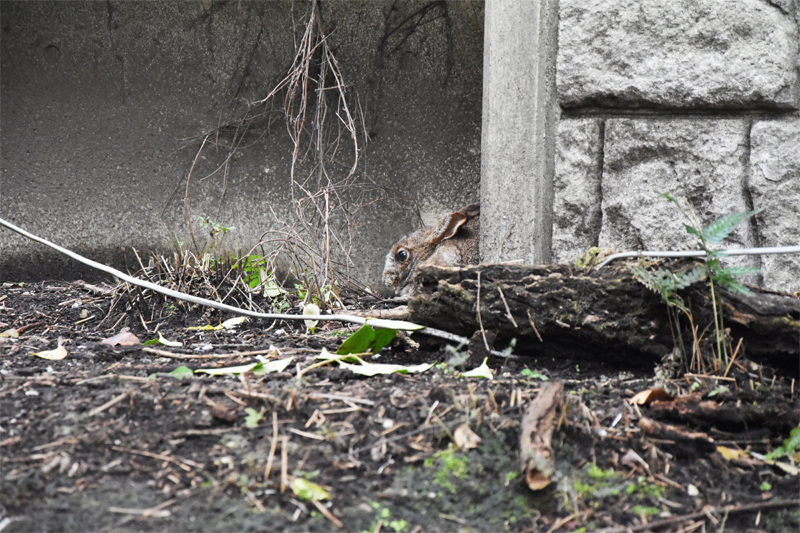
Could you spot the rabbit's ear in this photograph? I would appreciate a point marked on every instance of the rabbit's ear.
(448, 226)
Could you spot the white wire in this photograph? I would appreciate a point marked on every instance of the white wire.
(701, 253)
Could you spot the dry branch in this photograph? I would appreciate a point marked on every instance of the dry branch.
(536, 433)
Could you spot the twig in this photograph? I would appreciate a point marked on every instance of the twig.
(183, 464)
(97, 410)
(152, 512)
(284, 463)
(530, 319)
(508, 311)
(757, 506)
(165, 353)
(480, 320)
(536, 432)
(272, 447)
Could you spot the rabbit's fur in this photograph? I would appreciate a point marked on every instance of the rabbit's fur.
(452, 241)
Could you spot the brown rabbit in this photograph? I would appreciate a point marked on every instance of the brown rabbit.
(453, 241)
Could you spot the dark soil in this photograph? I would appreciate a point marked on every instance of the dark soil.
(107, 439)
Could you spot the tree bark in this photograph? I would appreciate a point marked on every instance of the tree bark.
(562, 311)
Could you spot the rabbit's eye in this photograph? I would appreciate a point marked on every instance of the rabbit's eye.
(401, 255)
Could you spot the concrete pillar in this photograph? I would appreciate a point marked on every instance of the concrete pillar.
(520, 114)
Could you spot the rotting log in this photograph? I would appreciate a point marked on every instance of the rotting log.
(607, 314)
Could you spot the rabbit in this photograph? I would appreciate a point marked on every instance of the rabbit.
(453, 241)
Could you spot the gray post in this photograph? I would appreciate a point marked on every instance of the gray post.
(520, 114)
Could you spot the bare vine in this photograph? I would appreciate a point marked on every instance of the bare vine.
(327, 134)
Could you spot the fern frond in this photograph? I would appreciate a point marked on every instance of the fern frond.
(726, 278)
(722, 227)
(686, 279)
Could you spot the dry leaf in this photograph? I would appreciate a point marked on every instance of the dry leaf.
(730, 453)
(465, 438)
(53, 355)
(123, 338)
(651, 395)
(13, 333)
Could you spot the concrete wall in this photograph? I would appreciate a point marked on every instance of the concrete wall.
(696, 99)
(103, 106)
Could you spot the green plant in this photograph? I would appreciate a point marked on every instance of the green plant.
(216, 230)
(789, 448)
(533, 374)
(366, 339)
(668, 282)
(452, 464)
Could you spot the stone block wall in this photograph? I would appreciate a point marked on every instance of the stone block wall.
(699, 100)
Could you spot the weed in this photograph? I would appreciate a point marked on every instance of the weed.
(384, 519)
(528, 373)
(667, 282)
(789, 448)
(453, 464)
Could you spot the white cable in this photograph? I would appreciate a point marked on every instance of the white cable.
(380, 323)
(701, 253)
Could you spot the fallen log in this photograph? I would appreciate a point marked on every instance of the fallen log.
(607, 314)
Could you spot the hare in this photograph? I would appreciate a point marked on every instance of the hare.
(453, 241)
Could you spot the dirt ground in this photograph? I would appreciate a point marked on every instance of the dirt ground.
(110, 438)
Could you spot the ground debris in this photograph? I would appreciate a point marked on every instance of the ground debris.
(122, 438)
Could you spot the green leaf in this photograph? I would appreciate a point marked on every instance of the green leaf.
(789, 447)
(308, 491)
(366, 339)
(182, 372)
(382, 338)
(528, 373)
(725, 277)
(253, 417)
(163, 341)
(668, 197)
(715, 232)
(358, 342)
(692, 230)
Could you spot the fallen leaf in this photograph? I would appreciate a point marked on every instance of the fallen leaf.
(182, 372)
(650, 395)
(308, 491)
(53, 355)
(730, 453)
(380, 369)
(163, 341)
(207, 327)
(253, 417)
(311, 309)
(228, 324)
(256, 368)
(13, 333)
(465, 438)
(123, 338)
(233, 322)
(482, 371)
(634, 460)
